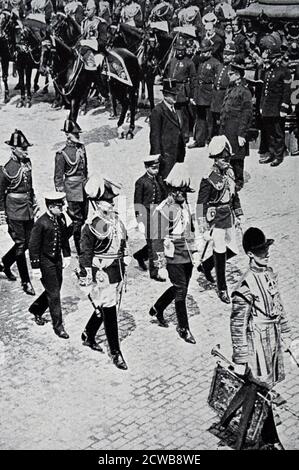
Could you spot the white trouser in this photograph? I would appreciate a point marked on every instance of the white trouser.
(224, 238)
(107, 296)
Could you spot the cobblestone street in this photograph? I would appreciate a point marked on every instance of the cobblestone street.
(60, 395)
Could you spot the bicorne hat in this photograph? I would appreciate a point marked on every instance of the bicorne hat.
(17, 139)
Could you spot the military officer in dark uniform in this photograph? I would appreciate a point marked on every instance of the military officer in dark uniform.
(220, 87)
(182, 69)
(70, 176)
(103, 249)
(218, 207)
(274, 105)
(48, 239)
(18, 204)
(235, 119)
(174, 227)
(149, 192)
(166, 134)
(207, 69)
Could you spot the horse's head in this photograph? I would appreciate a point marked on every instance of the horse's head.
(46, 58)
(65, 28)
(6, 24)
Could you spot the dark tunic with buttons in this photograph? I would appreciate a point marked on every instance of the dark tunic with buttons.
(48, 239)
(276, 91)
(205, 78)
(235, 117)
(183, 71)
(16, 192)
(221, 84)
(71, 171)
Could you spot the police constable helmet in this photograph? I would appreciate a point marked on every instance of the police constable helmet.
(219, 147)
(180, 45)
(255, 240)
(71, 127)
(206, 45)
(179, 178)
(240, 69)
(17, 139)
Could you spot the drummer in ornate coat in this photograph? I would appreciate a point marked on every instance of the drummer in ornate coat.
(235, 120)
(166, 133)
(70, 176)
(18, 206)
(260, 333)
(149, 192)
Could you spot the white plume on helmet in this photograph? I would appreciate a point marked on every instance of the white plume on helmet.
(179, 176)
(218, 144)
(95, 186)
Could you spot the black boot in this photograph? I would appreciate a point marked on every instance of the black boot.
(157, 310)
(206, 267)
(111, 329)
(159, 315)
(7, 261)
(90, 331)
(10, 276)
(183, 324)
(220, 264)
(24, 274)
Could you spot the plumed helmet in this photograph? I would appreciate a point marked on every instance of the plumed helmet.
(98, 188)
(254, 240)
(218, 144)
(209, 18)
(71, 127)
(179, 177)
(17, 139)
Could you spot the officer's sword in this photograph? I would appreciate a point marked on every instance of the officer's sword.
(95, 307)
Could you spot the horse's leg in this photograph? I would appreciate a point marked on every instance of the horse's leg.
(74, 109)
(21, 73)
(5, 65)
(124, 108)
(150, 91)
(133, 106)
(35, 83)
(46, 86)
(142, 97)
(28, 73)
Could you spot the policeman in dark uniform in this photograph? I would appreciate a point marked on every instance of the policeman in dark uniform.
(274, 106)
(218, 207)
(174, 226)
(149, 192)
(182, 69)
(220, 86)
(48, 239)
(235, 119)
(207, 69)
(18, 204)
(103, 249)
(70, 176)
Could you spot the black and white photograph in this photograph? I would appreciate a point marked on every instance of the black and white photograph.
(149, 221)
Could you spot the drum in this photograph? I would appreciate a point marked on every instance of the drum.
(225, 384)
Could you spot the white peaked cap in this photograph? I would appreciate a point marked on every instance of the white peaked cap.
(95, 186)
(54, 196)
(218, 144)
(90, 4)
(179, 176)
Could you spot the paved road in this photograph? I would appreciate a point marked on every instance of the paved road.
(59, 395)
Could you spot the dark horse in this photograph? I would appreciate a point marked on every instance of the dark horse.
(73, 81)
(6, 47)
(27, 58)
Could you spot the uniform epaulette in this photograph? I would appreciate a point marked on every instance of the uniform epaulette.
(61, 150)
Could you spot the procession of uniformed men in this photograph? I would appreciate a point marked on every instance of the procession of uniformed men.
(206, 96)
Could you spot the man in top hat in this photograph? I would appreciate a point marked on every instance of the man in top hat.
(166, 133)
(149, 192)
(235, 120)
(260, 333)
(19, 206)
(103, 250)
(218, 209)
(182, 69)
(174, 227)
(207, 69)
(48, 241)
(220, 87)
(274, 105)
(70, 176)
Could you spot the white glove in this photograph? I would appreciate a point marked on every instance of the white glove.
(127, 260)
(240, 368)
(240, 220)
(66, 262)
(195, 258)
(36, 273)
(207, 236)
(283, 115)
(241, 141)
(2, 218)
(192, 101)
(141, 227)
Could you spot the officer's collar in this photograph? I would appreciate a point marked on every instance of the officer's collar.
(51, 216)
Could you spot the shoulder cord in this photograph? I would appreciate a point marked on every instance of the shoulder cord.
(16, 179)
(74, 165)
